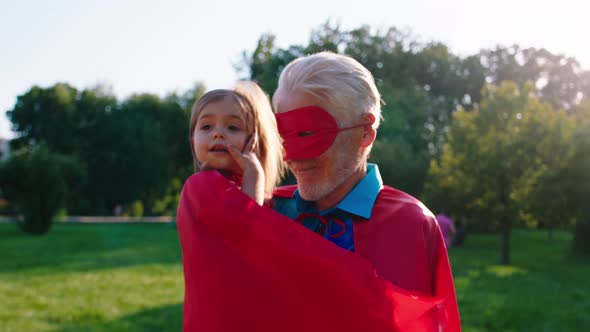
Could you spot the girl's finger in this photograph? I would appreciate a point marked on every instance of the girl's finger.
(236, 154)
(251, 144)
(255, 142)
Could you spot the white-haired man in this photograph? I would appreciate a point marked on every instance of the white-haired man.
(328, 111)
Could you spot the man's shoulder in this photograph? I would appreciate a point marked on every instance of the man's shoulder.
(402, 206)
(392, 195)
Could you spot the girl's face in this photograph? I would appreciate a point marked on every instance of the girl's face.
(219, 124)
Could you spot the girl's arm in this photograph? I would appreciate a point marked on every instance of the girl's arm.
(253, 175)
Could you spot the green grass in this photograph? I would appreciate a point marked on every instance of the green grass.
(128, 277)
(91, 277)
(544, 289)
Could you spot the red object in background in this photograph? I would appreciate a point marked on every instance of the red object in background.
(248, 268)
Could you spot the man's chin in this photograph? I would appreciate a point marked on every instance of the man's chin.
(313, 192)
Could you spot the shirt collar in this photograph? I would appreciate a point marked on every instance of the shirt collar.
(360, 199)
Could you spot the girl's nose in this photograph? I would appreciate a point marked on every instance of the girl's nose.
(218, 134)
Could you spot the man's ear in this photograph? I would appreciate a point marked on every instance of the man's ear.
(369, 133)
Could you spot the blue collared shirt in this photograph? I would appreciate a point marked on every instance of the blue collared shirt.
(358, 203)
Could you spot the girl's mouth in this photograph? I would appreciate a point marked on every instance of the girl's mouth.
(218, 148)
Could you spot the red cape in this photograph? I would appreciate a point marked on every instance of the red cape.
(403, 242)
(248, 268)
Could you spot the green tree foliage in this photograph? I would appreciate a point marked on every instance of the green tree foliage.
(421, 84)
(127, 158)
(131, 149)
(497, 156)
(546, 188)
(400, 165)
(138, 148)
(404, 146)
(39, 183)
(578, 172)
(38, 113)
(168, 204)
(559, 79)
(136, 209)
(267, 61)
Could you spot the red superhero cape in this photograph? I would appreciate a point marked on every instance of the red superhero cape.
(403, 242)
(248, 268)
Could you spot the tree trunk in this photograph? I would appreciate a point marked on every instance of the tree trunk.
(505, 260)
(582, 236)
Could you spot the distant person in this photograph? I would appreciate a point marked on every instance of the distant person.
(447, 228)
(118, 211)
(460, 234)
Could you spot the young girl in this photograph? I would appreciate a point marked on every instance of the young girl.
(235, 132)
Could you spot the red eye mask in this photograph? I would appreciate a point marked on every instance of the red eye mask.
(307, 132)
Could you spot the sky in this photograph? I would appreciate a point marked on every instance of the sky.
(168, 45)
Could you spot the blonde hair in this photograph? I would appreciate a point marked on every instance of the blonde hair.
(254, 106)
(343, 86)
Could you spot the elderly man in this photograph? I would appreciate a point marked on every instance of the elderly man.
(328, 112)
(384, 265)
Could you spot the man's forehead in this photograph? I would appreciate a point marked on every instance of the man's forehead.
(290, 100)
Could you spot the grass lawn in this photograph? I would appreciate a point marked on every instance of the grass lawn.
(544, 288)
(91, 277)
(128, 277)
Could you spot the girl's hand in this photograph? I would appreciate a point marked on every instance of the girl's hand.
(252, 172)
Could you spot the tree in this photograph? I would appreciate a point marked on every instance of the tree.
(62, 119)
(266, 62)
(46, 116)
(494, 153)
(402, 148)
(399, 165)
(579, 175)
(128, 158)
(175, 125)
(545, 188)
(39, 182)
(103, 134)
(558, 79)
(421, 85)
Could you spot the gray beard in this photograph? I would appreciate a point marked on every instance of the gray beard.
(317, 191)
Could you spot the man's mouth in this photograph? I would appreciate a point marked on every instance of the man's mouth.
(303, 169)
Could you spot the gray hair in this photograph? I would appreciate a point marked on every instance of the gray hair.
(343, 86)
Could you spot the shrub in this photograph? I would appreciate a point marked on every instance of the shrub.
(38, 182)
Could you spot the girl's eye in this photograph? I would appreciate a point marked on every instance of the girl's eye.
(234, 128)
(205, 127)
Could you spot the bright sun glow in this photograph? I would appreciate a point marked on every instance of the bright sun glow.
(163, 46)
